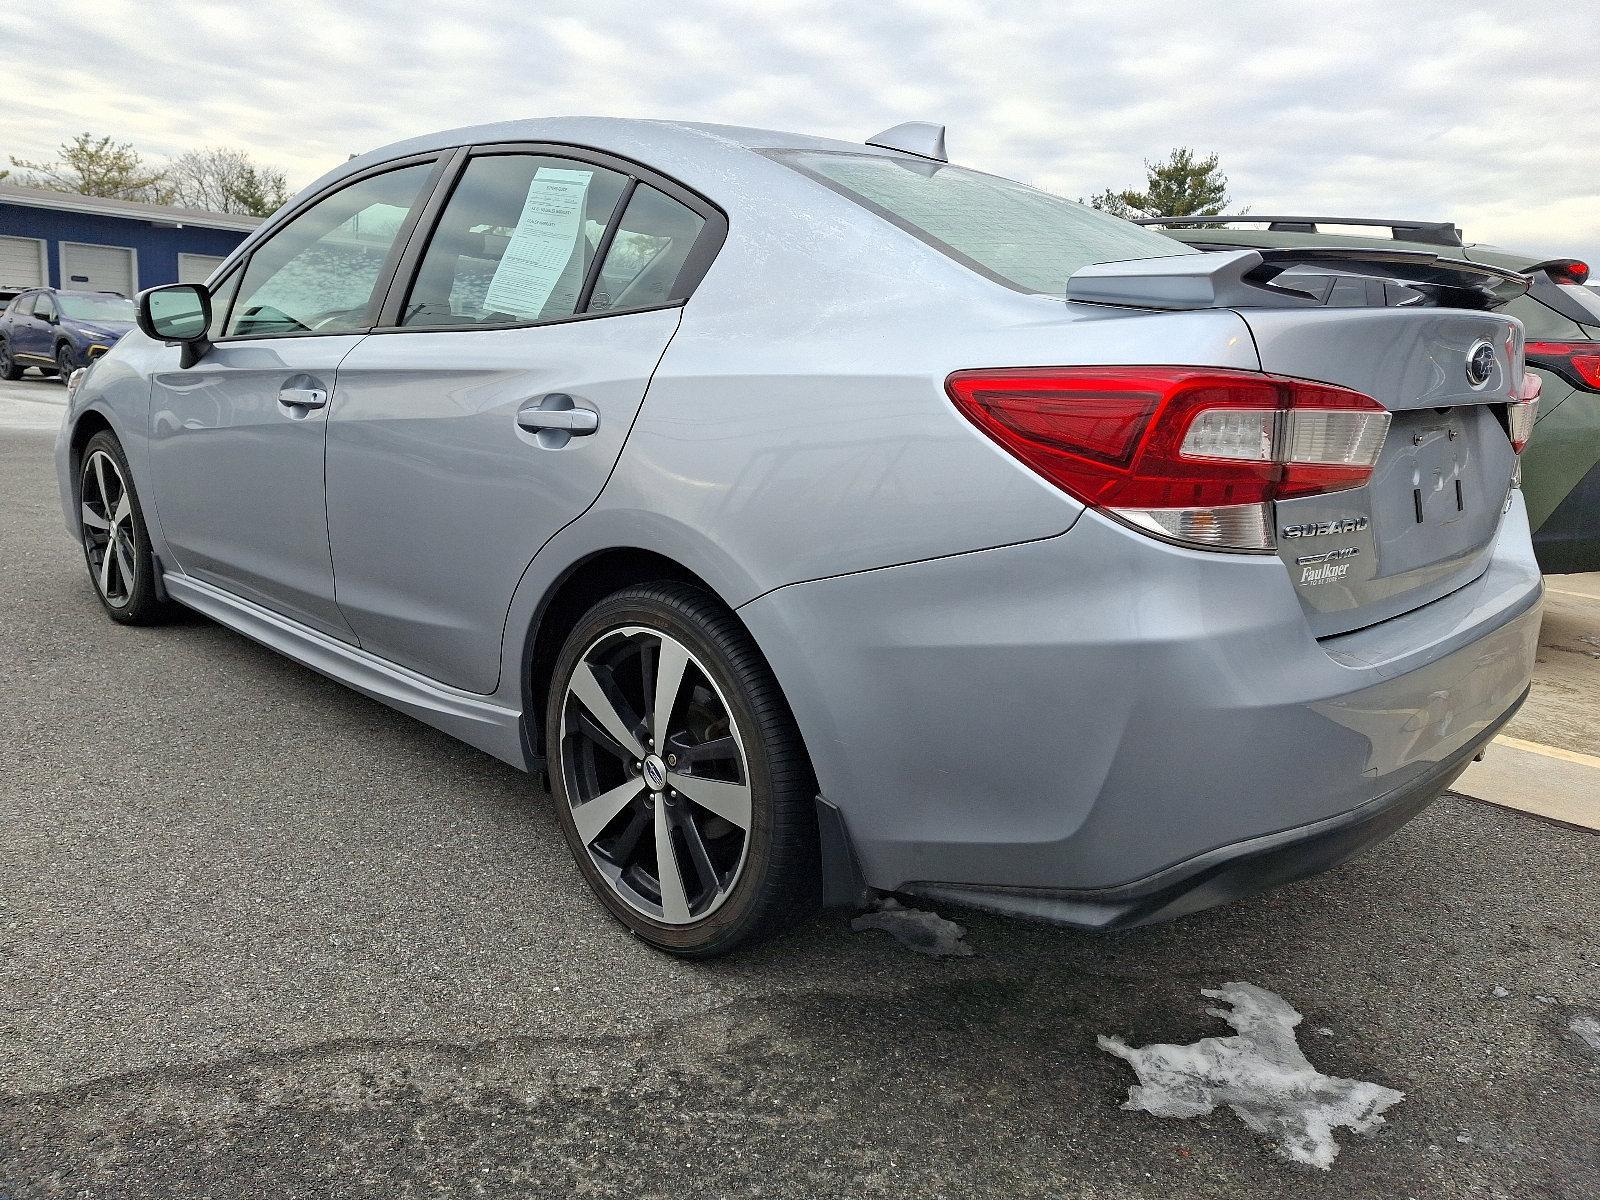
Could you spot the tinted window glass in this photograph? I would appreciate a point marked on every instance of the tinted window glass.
(514, 243)
(43, 306)
(96, 308)
(1584, 299)
(645, 257)
(318, 273)
(1028, 239)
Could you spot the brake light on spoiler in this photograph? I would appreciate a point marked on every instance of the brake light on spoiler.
(1190, 454)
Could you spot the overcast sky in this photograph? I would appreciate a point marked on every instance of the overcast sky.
(1484, 113)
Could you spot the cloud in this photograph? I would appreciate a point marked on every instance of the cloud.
(1437, 108)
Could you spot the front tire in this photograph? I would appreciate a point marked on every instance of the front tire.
(65, 365)
(678, 773)
(116, 542)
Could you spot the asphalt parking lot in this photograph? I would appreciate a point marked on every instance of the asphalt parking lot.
(261, 937)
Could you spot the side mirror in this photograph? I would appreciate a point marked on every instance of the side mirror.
(178, 313)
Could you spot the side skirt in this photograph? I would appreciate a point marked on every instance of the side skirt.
(465, 715)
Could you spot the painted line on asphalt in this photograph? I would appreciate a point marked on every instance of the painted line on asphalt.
(1588, 760)
(1544, 781)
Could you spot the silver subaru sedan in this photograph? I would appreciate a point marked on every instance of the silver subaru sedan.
(823, 519)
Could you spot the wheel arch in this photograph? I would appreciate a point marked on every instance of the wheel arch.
(90, 422)
(569, 596)
(603, 572)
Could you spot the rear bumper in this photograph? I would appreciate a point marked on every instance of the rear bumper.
(1229, 872)
(1102, 713)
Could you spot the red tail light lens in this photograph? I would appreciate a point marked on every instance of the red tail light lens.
(1192, 454)
(1577, 362)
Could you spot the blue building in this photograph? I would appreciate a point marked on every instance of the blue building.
(62, 239)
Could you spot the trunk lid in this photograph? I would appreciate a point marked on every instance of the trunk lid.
(1425, 523)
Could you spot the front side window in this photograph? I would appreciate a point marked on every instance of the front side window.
(647, 253)
(318, 274)
(515, 242)
(1012, 233)
(43, 307)
(97, 308)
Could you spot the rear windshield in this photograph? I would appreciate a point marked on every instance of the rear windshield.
(1014, 234)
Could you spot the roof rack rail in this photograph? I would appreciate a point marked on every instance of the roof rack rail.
(1427, 233)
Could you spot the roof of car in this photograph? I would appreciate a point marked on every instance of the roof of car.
(666, 145)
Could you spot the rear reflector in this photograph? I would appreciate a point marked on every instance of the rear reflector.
(1191, 454)
(1577, 362)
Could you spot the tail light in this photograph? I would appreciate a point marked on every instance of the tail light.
(1520, 413)
(1572, 270)
(1577, 362)
(1194, 455)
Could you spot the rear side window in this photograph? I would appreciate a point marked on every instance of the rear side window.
(1584, 298)
(646, 256)
(318, 273)
(515, 242)
(1024, 238)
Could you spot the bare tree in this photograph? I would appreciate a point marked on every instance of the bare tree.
(95, 166)
(224, 180)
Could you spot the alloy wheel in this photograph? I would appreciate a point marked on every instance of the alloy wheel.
(655, 769)
(106, 512)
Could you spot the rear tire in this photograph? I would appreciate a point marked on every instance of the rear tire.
(10, 369)
(116, 542)
(726, 751)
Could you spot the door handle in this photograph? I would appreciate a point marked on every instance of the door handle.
(576, 421)
(302, 397)
(555, 420)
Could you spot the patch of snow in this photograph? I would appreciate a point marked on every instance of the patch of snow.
(1588, 1031)
(925, 932)
(1260, 1073)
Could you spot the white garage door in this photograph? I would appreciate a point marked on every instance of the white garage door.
(195, 268)
(97, 268)
(21, 262)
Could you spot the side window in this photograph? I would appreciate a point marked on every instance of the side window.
(515, 242)
(319, 272)
(642, 264)
(44, 307)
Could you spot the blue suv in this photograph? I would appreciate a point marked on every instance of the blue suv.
(58, 331)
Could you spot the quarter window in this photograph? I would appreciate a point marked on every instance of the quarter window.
(318, 274)
(515, 242)
(647, 254)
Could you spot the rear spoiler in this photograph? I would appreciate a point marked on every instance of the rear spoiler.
(1251, 278)
(1432, 233)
